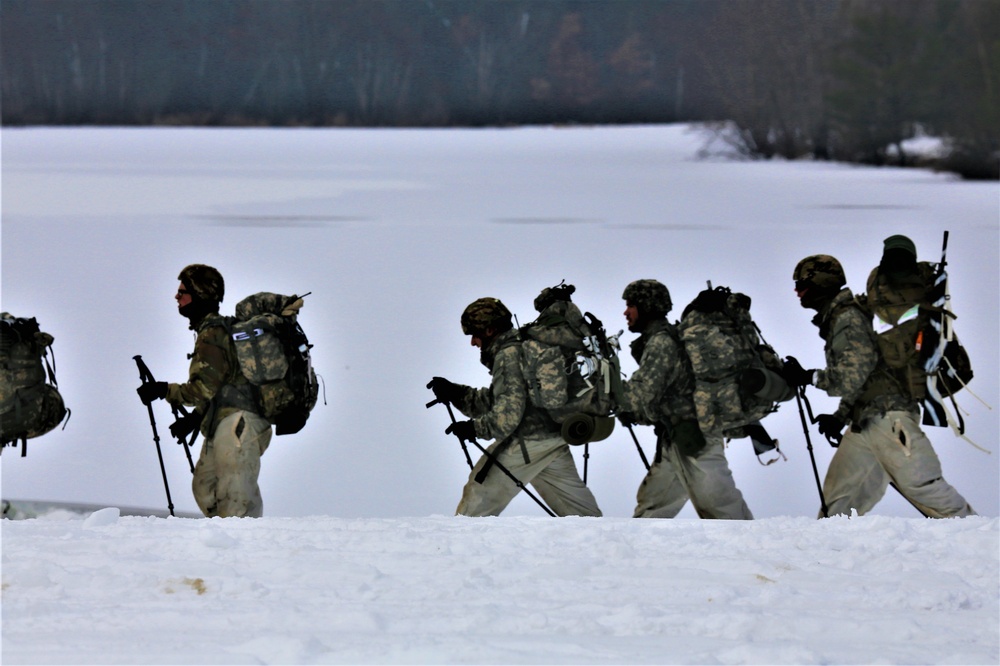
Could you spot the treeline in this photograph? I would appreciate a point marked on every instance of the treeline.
(833, 79)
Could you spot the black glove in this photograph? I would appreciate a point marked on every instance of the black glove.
(830, 426)
(465, 430)
(151, 391)
(795, 374)
(627, 419)
(445, 391)
(185, 425)
(687, 438)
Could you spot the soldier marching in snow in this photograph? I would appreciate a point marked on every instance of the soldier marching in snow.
(527, 442)
(660, 393)
(884, 443)
(235, 435)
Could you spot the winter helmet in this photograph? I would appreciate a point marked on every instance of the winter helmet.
(486, 313)
(899, 242)
(820, 270)
(205, 282)
(650, 296)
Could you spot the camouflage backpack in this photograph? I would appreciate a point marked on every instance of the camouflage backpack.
(902, 315)
(571, 367)
(30, 404)
(726, 348)
(273, 352)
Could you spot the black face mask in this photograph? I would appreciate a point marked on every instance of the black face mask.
(197, 310)
(897, 262)
(816, 296)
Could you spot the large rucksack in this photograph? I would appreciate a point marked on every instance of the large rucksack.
(30, 404)
(903, 316)
(737, 380)
(273, 352)
(571, 367)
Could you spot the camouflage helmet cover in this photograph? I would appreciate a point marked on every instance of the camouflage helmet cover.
(486, 313)
(649, 296)
(821, 270)
(205, 281)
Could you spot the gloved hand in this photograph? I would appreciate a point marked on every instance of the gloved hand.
(444, 390)
(185, 425)
(151, 391)
(627, 419)
(688, 439)
(795, 374)
(465, 430)
(831, 426)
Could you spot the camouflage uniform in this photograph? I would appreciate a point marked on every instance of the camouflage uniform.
(235, 436)
(526, 441)
(659, 393)
(885, 443)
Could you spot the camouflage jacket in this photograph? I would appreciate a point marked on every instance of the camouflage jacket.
(855, 371)
(661, 389)
(215, 387)
(503, 409)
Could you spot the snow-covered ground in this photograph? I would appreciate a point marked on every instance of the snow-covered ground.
(443, 590)
(394, 232)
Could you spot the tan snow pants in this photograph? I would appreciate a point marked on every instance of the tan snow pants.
(552, 473)
(705, 479)
(891, 449)
(225, 477)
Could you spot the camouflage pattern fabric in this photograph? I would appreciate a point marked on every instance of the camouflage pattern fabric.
(485, 313)
(855, 371)
(213, 368)
(821, 270)
(503, 410)
(651, 297)
(205, 281)
(661, 390)
(549, 350)
(29, 406)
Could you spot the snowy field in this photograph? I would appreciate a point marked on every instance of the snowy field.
(394, 232)
(520, 590)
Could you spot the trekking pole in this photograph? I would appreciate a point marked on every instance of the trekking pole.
(638, 446)
(800, 396)
(145, 377)
(586, 459)
(461, 441)
(178, 411)
(494, 461)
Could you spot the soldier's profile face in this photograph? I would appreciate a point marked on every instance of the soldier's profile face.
(482, 339)
(183, 296)
(631, 315)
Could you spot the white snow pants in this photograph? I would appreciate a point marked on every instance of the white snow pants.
(552, 473)
(891, 449)
(706, 480)
(225, 478)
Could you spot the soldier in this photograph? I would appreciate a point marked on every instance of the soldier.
(526, 441)
(660, 393)
(235, 435)
(885, 443)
